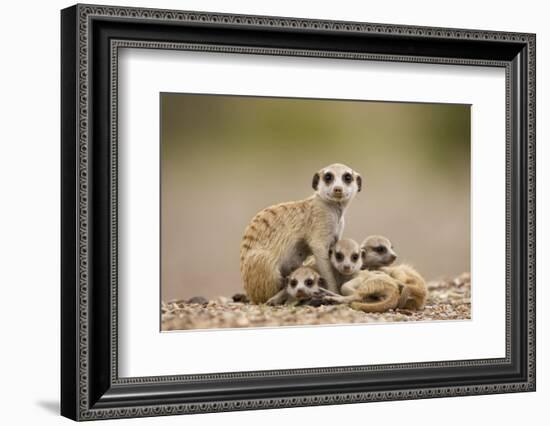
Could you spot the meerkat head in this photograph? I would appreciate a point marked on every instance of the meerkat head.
(377, 251)
(304, 282)
(345, 256)
(337, 183)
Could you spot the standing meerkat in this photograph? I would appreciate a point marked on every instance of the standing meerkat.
(280, 237)
(301, 285)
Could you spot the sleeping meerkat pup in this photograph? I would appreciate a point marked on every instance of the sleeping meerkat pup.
(380, 286)
(302, 285)
(414, 290)
(280, 237)
(377, 253)
(370, 291)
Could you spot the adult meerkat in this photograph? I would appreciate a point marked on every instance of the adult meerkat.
(280, 237)
(301, 285)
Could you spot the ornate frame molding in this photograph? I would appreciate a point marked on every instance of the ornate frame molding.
(86, 404)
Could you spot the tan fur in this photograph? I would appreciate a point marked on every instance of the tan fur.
(415, 290)
(301, 285)
(370, 291)
(377, 251)
(381, 286)
(279, 238)
(345, 258)
(383, 289)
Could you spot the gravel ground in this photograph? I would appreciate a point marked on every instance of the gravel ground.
(447, 300)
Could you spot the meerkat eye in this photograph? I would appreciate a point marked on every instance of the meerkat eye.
(308, 282)
(348, 178)
(354, 257)
(328, 177)
(380, 249)
(339, 256)
(363, 254)
(293, 283)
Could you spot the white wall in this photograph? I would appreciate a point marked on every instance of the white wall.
(29, 225)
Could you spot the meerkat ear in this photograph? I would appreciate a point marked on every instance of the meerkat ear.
(359, 182)
(329, 252)
(315, 182)
(322, 282)
(363, 253)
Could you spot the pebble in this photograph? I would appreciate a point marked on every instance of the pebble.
(448, 300)
(198, 300)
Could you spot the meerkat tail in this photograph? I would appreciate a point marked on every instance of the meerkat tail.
(386, 291)
(390, 302)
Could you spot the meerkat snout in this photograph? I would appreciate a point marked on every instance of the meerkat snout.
(345, 256)
(303, 283)
(337, 183)
(377, 251)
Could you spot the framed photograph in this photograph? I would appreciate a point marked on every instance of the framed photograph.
(263, 212)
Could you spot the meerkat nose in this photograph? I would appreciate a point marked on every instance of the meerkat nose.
(393, 256)
(337, 189)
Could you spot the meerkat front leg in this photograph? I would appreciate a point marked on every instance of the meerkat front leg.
(329, 293)
(322, 263)
(279, 299)
(348, 291)
(404, 297)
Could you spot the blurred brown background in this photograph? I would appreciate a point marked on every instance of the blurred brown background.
(226, 157)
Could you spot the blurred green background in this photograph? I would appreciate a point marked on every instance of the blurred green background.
(223, 158)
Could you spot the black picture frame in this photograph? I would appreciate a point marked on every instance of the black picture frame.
(90, 386)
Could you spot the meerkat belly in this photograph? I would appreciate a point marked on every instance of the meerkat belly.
(294, 257)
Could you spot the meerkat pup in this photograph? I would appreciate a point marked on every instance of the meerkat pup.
(279, 238)
(377, 253)
(303, 284)
(381, 286)
(374, 291)
(370, 291)
(414, 290)
(345, 258)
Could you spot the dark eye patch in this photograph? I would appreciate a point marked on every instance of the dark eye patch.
(347, 178)
(339, 256)
(293, 282)
(354, 257)
(308, 282)
(328, 177)
(380, 249)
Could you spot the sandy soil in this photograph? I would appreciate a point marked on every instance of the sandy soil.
(448, 299)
